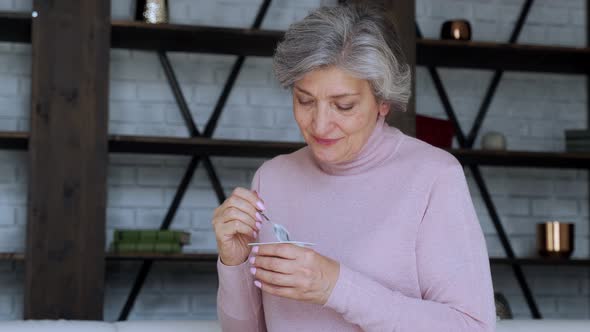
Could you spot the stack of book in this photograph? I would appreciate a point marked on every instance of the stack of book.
(149, 240)
(577, 140)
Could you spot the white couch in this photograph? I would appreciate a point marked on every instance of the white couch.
(546, 325)
(92, 326)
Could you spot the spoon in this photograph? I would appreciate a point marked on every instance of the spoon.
(279, 230)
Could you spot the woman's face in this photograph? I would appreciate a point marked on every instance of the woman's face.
(336, 113)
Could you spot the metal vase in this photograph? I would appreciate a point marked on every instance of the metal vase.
(152, 11)
(555, 239)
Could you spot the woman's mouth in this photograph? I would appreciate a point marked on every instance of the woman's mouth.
(326, 141)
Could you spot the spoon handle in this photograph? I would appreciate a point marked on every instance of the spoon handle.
(264, 215)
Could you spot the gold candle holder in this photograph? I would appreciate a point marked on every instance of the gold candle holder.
(555, 239)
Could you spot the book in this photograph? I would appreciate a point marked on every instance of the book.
(146, 247)
(151, 236)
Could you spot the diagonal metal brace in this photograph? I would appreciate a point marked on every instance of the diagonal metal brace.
(194, 162)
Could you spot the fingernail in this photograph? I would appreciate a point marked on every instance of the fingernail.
(257, 284)
(253, 270)
(255, 249)
(258, 216)
(252, 259)
(260, 205)
(255, 234)
(259, 225)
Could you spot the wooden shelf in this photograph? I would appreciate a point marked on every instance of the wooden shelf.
(199, 146)
(577, 160)
(248, 148)
(12, 256)
(541, 261)
(511, 57)
(212, 258)
(14, 140)
(173, 145)
(185, 256)
(16, 27)
(187, 38)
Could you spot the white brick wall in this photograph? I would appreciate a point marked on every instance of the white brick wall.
(531, 109)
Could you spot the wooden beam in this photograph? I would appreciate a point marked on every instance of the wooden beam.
(403, 14)
(588, 82)
(64, 269)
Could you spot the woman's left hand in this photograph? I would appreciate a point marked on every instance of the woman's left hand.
(294, 272)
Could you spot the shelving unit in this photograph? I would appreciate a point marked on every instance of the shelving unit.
(16, 27)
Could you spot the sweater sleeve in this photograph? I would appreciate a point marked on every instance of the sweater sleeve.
(239, 303)
(453, 273)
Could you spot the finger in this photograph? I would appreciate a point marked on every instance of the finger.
(238, 202)
(233, 213)
(273, 278)
(282, 250)
(251, 197)
(280, 265)
(237, 227)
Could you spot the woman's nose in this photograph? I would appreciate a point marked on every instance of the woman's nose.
(321, 121)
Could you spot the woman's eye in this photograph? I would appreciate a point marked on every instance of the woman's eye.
(345, 107)
(305, 102)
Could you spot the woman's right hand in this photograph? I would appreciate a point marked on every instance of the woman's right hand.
(236, 223)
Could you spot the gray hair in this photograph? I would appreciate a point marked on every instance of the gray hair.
(356, 38)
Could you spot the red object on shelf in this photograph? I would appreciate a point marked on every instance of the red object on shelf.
(438, 132)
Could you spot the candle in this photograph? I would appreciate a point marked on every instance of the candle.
(456, 30)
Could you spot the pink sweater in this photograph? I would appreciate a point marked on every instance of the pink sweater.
(399, 219)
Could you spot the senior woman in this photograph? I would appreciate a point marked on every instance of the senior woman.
(398, 244)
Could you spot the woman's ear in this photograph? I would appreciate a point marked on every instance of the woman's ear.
(384, 108)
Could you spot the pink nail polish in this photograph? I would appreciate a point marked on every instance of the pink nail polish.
(257, 284)
(255, 234)
(260, 206)
(252, 259)
(258, 216)
(253, 270)
(255, 249)
(259, 225)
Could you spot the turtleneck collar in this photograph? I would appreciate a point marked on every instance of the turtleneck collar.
(376, 150)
